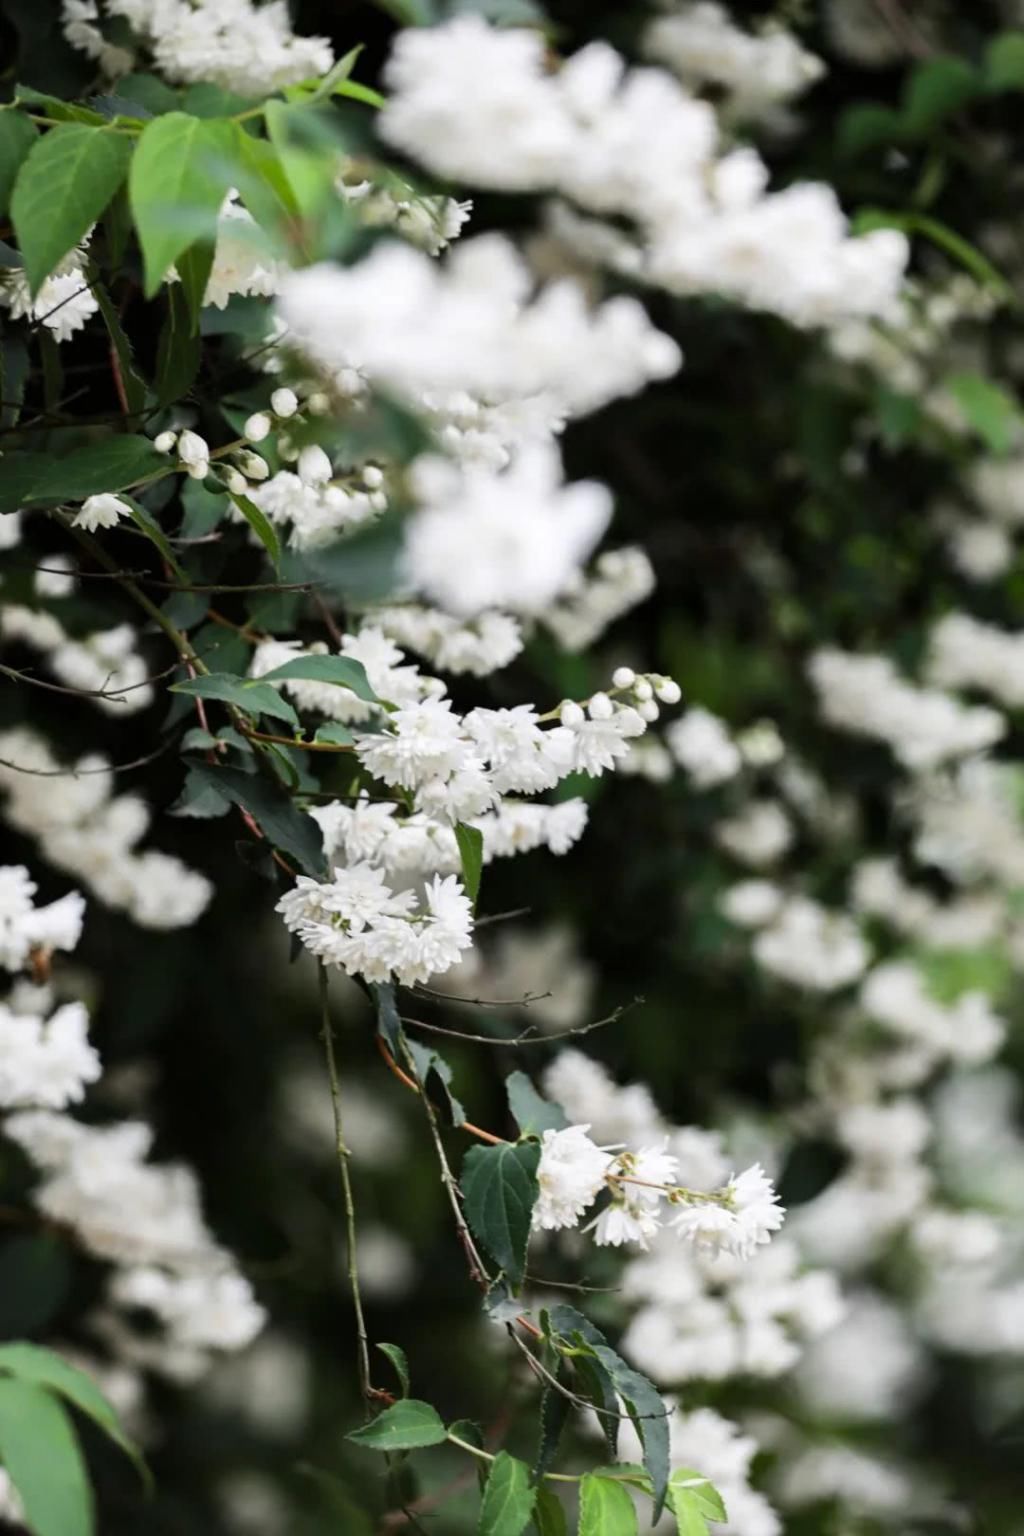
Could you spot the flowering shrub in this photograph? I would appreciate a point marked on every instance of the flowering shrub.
(507, 759)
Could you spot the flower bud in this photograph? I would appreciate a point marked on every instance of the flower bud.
(236, 481)
(643, 690)
(601, 707)
(284, 402)
(164, 442)
(257, 427)
(193, 449)
(314, 466)
(253, 467)
(648, 710)
(372, 477)
(318, 404)
(669, 691)
(571, 714)
(623, 677)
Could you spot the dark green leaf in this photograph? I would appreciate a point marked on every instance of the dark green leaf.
(531, 1113)
(134, 386)
(286, 827)
(252, 698)
(435, 1077)
(179, 351)
(151, 528)
(29, 1362)
(554, 1414)
(548, 1514)
(499, 1189)
(180, 174)
(65, 182)
(194, 268)
(405, 1426)
(40, 1452)
(261, 526)
(199, 798)
(341, 670)
(937, 87)
(508, 1498)
(18, 133)
(334, 735)
(471, 854)
(399, 1361)
(606, 1508)
(389, 1025)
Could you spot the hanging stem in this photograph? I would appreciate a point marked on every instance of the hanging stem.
(343, 1154)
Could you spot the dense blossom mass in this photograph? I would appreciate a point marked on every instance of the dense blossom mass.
(364, 534)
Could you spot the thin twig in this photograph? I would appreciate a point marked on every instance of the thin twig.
(531, 1035)
(362, 1341)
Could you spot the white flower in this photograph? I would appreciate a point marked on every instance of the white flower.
(424, 741)
(102, 511)
(747, 1218)
(512, 540)
(570, 1175)
(702, 745)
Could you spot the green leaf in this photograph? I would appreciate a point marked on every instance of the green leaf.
(194, 269)
(606, 1508)
(151, 528)
(18, 133)
(54, 106)
(499, 1190)
(253, 698)
(532, 1113)
(29, 1362)
(400, 1362)
(471, 853)
(936, 88)
(992, 412)
(687, 1487)
(112, 464)
(389, 1024)
(179, 351)
(342, 670)
(134, 386)
(866, 126)
(548, 1514)
(334, 734)
(405, 1426)
(554, 1414)
(435, 1077)
(508, 1498)
(1004, 62)
(284, 826)
(40, 1452)
(65, 182)
(199, 798)
(180, 174)
(644, 1403)
(261, 526)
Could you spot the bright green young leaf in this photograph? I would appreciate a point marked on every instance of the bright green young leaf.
(405, 1426)
(261, 526)
(18, 133)
(398, 1359)
(281, 822)
(29, 1362)
(40, 1453)
(532, 1113)
(548, 1514)
(686, 1484)
(65, 182)
(1004, 62)
(471, 854)
(342, 670)
(499, 1190)
(606, 1508)
(55, 107)
(180, 173)
(508, 1498)
(252, 698)
(992, 412)
(334, 734)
